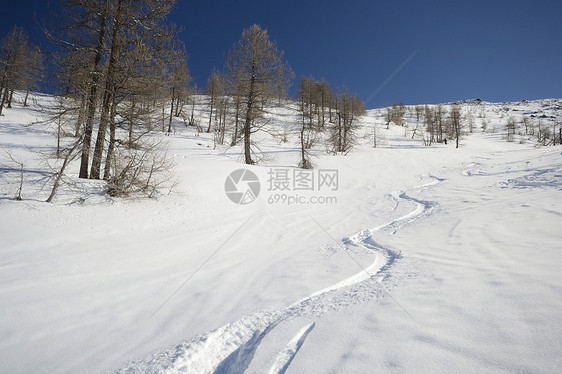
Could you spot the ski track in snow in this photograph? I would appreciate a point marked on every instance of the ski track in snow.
(551, 177)
(286, 356)
(231, 348)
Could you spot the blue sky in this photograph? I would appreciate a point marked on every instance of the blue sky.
(411, 51)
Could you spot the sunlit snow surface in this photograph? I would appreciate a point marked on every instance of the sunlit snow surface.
(433, 259)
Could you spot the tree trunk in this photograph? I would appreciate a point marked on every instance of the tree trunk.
(323, 111)
(88, 128)
(224, 113)
(304, 162)
(339, 134)
(131, 116)
(179, 106)
(26, 96)
(58, 135)
(236, 122)
(80, 117)
(191, 119)
(171, 110)
(211, 113)
(163, 116)
(100, 141)
(248, 124)
(7, 74)
(108, 97)
(111, 147)
(61, 172)
(2, 99)
(457, 145)
(9, 106)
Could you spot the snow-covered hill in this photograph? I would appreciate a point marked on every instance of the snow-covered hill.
(400, 258)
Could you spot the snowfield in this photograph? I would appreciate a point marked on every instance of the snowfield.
(423, 260)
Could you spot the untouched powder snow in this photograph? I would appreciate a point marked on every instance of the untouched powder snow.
(430, 260)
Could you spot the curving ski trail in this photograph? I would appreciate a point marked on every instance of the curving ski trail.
(231, 348)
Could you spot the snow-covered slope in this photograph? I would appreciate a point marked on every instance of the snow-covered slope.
(425, 259)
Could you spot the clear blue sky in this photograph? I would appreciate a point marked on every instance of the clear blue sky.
(391, 51)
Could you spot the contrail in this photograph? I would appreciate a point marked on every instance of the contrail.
(392, 75)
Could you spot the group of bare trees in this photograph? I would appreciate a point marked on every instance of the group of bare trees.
(325, 110)
(545, 133)
(21, 66)
(432, 124)
(317, 100)
(441, 124)
(120, 69)
(348, 109)
(178, 85)
(121, 75)
(255, 79)
(309, 109)
(395, 114)
(548, 134)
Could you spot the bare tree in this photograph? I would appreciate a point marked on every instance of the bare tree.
(419, 112)
(257, 68)
(237, 108)
(117, 60)
(20, 66)
(439, 117)
(455, 119)
(429, 119)
(470, 120)
(395, 114)
(343, 132)
(178, 82)
(11, 159)
(70, 154)
(306, 129)
(388, 116)
(528, 125)
(378, 137)
(214, 91)
(83, 16)
(511, 129)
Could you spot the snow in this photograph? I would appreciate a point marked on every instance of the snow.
(288, 353)
(433, 259)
